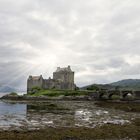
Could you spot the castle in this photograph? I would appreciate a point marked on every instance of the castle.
(63, 78)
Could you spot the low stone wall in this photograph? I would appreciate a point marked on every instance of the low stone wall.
(137, 95)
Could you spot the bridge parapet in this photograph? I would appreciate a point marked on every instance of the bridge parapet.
(113, 92)
(137, 95)
(124, 93)
(102, 93)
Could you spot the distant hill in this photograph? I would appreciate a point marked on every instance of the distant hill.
(133, 84)
(127, 84)
(6, 89)
(98, 86)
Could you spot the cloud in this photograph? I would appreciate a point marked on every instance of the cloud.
(99, 39)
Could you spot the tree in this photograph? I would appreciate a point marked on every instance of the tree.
(93, 87)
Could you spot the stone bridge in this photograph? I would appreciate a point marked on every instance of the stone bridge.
(122, 94)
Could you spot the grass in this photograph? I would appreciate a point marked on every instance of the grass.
(46, 107)
(107, 131)
(13, 94)
(60, 92)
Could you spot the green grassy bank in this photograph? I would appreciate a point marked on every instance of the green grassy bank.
(53, 92)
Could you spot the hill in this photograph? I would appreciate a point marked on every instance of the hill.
(132, 84)
(127, 84)
(6, 89)
(98, 86)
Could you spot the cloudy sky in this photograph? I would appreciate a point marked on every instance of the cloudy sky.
(100, 39)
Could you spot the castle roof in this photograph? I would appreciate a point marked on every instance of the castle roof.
(65, 69)
(35, 77)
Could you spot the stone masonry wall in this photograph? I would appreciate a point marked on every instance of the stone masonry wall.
(63, 78)
(34, 83)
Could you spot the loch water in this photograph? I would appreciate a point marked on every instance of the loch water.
(37, 115)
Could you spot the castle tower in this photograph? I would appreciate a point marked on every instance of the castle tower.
(65, 76)
(34, 81)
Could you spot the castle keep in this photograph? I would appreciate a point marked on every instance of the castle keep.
(63, 78)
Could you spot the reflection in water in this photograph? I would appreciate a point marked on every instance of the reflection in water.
(12, 115)
(58, 114)
(12, 109)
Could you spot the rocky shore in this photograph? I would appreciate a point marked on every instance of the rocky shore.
(40, 98)
(107, 131)
(54, 105)
(26, 97)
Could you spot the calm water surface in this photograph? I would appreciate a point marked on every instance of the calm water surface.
(15, 116)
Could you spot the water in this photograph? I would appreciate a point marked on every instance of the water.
(36, 115)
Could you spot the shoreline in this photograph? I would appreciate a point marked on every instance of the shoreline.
(128, 106)
(107, 131)
(63, 98)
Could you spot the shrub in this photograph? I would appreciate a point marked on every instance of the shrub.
(93, 87)
(13, 94)
(77, 88)
(35, 90)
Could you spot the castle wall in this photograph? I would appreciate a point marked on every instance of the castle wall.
(48, 84)
(31, 83)
(66, 78)
(63, 78)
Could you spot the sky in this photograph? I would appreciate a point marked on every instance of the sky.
(99, 39)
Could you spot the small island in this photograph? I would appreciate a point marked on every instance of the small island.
(60, 95)
(63, 87)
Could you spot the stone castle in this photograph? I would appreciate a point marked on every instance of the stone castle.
(63, 78)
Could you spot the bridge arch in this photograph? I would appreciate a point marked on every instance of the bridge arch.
(102, 93)
(128, 93)
(113, 92)
(137, 94)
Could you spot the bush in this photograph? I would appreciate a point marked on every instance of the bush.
(13, 94)
(35, 90)
(77, 88)
(93, 87)
(115, 97)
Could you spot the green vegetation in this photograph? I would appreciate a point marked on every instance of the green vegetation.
(77, 88)
(107, 131)
(98, 87)
(93, 87)
(127, 84)
(13, 94)
(35, 89)
(115, 97)
(46, 106)
(54, 92)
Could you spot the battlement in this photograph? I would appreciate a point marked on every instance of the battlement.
(66, 69)
(35, 77)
